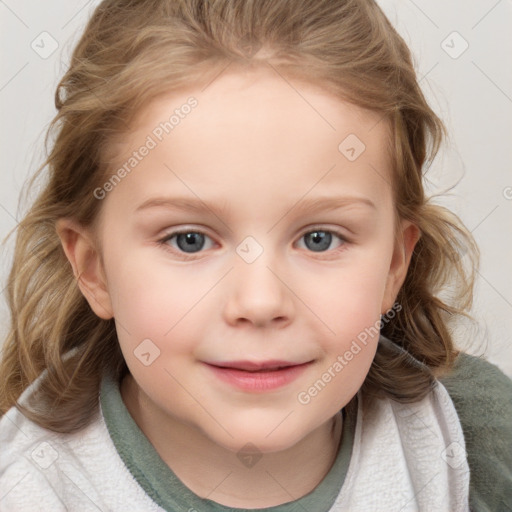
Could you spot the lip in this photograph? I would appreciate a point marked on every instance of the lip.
(258, 376)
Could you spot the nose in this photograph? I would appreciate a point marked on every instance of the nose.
(258, 295)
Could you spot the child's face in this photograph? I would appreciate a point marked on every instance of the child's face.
(254, 289)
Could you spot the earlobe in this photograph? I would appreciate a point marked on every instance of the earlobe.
(404, 246)
(83, 255)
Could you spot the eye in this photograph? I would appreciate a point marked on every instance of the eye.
(319, 239)
(191, 241)
(188, 242)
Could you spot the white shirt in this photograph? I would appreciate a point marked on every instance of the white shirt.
(405, 457)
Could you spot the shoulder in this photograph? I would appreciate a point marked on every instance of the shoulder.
(25, 452)
(20, 437)
(45, 470)
(482, 396)
(481, 393)
(38, 467)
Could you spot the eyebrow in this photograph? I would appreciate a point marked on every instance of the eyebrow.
(311, 206)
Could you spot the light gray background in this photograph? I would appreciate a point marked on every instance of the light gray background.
(471, 90)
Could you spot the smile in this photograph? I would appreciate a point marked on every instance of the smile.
(257, 377)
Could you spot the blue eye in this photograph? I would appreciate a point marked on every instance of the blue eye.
(187, 241)
(319, 240)
(191, 242)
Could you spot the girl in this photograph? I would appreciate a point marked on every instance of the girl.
(179, 343)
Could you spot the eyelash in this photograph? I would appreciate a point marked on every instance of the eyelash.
(193, 256)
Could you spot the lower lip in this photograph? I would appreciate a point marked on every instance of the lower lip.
(259, 381)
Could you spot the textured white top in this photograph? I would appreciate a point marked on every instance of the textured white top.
(405, 457)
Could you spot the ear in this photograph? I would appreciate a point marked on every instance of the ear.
(85, 259)
(406, 240)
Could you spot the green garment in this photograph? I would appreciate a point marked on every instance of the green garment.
(482, 396)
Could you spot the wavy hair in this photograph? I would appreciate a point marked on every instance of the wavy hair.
(134, 50)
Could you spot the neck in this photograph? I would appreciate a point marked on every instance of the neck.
(234, 480)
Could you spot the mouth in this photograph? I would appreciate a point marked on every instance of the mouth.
(258, 376)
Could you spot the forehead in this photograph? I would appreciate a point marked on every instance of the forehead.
(260, 131)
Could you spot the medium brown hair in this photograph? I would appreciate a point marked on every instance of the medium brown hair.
(134, 50)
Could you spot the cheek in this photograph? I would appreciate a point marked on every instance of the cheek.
(350, 307)
(350, 299)
(351, 310)
(148, 300)
(153, 314)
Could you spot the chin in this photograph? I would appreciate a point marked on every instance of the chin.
(263, 436)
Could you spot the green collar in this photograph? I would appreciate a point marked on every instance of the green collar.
(163, 486)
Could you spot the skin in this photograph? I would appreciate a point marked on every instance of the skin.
(254, 146)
